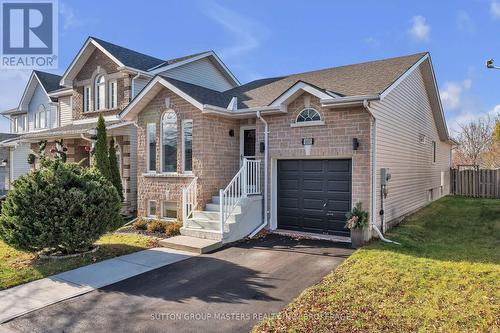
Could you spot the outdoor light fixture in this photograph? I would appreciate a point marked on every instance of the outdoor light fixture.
(355, 144)
(490, 63)
(231, 132)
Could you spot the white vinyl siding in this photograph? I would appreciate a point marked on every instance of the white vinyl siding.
(65, 110)
(19, 160)
(202, 73)
(403, 118)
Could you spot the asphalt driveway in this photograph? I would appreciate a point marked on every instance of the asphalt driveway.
(226, 291)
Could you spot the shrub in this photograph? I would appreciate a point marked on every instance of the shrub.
(357, 218)
(101, 149)
(140, 224)
(114, 169)
(61, 207)
(156, 226)
(173, 228)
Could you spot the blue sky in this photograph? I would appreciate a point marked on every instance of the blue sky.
(269, 38)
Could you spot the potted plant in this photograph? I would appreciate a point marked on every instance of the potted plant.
(357, 222)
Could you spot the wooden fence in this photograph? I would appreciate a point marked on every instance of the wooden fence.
(478, 183)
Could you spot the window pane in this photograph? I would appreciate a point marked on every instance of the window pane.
(308, 115)
(169, 210)
(152, 208)
(151, 141)
(169, 142)
(188, 146)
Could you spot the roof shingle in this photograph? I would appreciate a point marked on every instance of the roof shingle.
(50, 82)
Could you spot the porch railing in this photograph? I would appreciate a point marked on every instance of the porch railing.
(245, 182)
(189, 200)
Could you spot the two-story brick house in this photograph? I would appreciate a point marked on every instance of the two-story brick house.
(102, 79)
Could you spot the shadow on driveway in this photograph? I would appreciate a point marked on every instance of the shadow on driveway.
(226, 291)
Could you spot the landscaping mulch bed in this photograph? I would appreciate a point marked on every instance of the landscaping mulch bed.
(131, 230)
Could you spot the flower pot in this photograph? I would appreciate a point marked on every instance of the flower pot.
(359, 237)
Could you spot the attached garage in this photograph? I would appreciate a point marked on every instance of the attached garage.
(314, 195)
(19, 165)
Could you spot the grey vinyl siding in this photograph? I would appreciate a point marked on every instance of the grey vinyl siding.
(139, 84)
(65, 110)
(202, 73)
(404, 117)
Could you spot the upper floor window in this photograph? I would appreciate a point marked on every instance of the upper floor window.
(19, 123)
(86, 98)
(112, 94)
(100, 93)
(434, 151)
(41, 117)
(308, 114)
(169, 142)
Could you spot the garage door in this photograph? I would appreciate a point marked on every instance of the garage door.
(314, 195)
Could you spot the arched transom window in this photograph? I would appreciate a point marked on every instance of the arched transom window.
(308, 114)
(169, 142)
(100, 93)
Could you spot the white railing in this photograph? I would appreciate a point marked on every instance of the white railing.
(189, 200)
(245, 182)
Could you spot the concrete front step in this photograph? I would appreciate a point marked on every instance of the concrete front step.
(191, 244)
(203, 224)
(212, 207)
(202, 233)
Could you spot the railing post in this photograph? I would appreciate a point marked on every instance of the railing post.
(245, 178)
(184, 208)
(221, 210)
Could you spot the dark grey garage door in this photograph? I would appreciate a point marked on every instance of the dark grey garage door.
(314, 195)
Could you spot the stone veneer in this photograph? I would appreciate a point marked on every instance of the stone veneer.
(331, 140)
(215, 154)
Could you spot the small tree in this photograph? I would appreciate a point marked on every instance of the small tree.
(101, 150)
(115, 171)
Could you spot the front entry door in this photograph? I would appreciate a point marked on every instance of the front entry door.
(247, 143)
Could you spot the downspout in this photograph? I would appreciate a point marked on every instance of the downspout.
(133, 87)
(266, 154)
(373, 219)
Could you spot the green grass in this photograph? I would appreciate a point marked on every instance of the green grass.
(17, 267)
(445, 277)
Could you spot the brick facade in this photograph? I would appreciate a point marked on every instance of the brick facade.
(99, 63)
(331, 140)
(215, 154)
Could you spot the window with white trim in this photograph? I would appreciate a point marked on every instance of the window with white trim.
(152, 208)
(169, 142)
(308, 114)
(168, 210)
(187, 146)
(100, 93)
(113, 101)
(24, 123)
(86, 99)
(41, 117)
(15, 124)
(151, 146)
(434, 151)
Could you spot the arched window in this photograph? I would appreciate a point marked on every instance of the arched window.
(169, 142)
(308, 114)
(100, 93)
(40, 117)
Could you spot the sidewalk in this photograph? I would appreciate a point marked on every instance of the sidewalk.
(34, 295)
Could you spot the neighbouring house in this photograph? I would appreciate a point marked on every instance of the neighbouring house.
(294, 152)
(4, 163)
(102, 79)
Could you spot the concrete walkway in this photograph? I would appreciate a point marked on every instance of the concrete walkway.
(35, 295)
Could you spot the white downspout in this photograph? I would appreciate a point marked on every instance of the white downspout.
(266, 154)
(373, 219)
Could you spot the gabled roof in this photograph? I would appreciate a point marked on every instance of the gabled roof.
(128, 57)
(50, 82)
(369, 78)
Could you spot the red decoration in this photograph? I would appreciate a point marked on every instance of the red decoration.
(52, 151)
(87, 148)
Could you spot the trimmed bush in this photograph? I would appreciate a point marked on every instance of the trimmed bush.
(173, 228)
(59, 207)
(156, 226)
(140, 224)
(116, 179)
(101, 157)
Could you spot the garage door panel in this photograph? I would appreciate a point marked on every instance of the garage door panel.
(305, 186)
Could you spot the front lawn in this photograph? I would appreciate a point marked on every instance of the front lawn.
(18, 267)
(444, 278)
